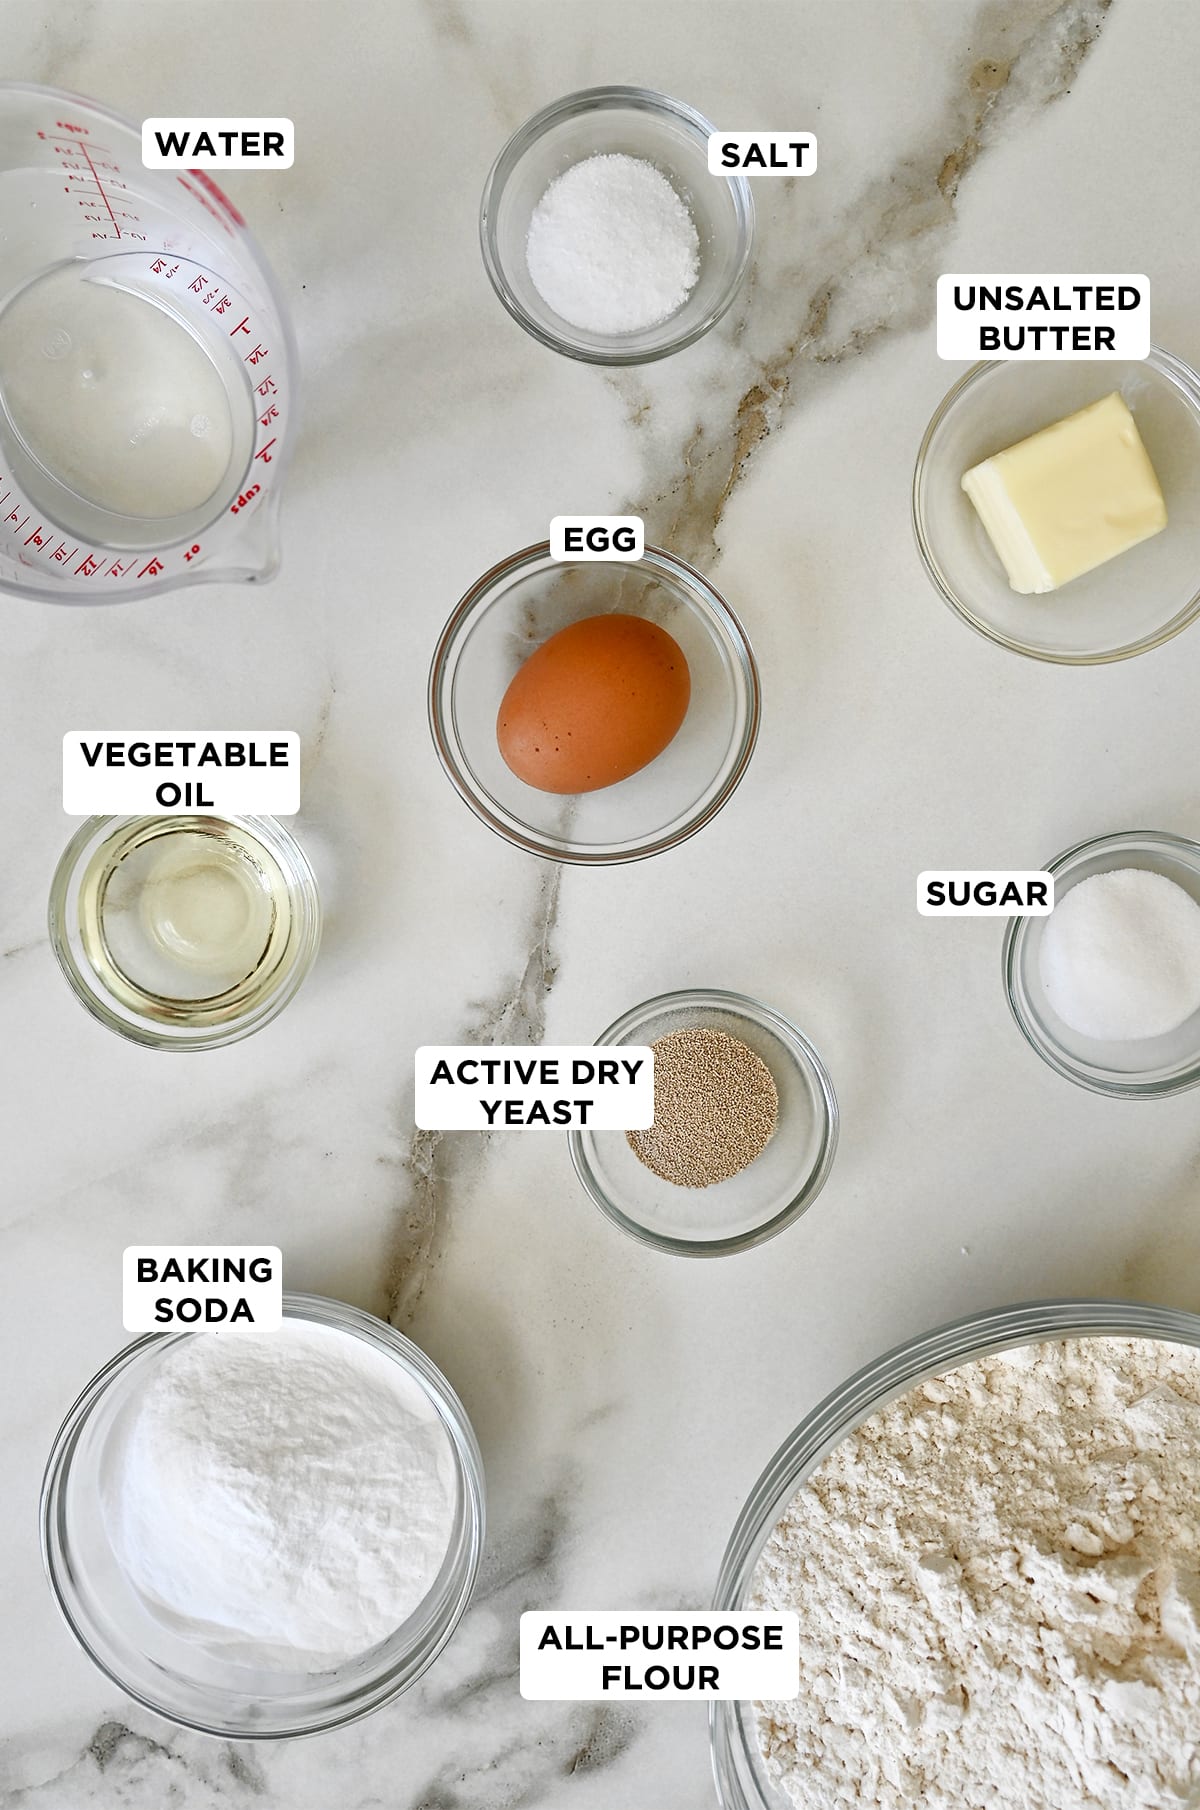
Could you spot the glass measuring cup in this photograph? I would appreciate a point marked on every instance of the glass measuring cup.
(148, 372)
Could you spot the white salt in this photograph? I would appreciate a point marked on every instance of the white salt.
(611, 246)
(1120, 956)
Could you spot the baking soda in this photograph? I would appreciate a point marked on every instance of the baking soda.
(611, 247)
(287, 1496)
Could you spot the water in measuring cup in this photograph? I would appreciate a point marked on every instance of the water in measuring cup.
(112, 397)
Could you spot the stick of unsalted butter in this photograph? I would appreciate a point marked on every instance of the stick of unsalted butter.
(1073, 495)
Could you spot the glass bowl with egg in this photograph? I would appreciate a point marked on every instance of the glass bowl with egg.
(765, 1196)
(741, 1776)
(628, 122)
(1124, 606)
(557, 674)
(184, 932)
(1040, 988)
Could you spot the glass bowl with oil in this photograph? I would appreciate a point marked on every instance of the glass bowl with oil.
(184, 932)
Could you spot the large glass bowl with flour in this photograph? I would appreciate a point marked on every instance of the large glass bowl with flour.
(219, 1686)
(741, 1777)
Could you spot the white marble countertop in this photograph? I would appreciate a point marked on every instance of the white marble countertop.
(625, 1401)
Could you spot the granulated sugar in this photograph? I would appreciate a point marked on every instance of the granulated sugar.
(611, 247)
(1120, 955)
(998, 1585)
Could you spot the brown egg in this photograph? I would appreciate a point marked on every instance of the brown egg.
(596, 702)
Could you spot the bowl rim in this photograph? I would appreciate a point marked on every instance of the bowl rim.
(583, 100)
(604, 854)
(868, 1389)
(303, 892)
(1185, 380)
(1126, 1086)
(806, 1058)
(322, 1310)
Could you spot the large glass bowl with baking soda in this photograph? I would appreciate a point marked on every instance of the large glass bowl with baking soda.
(184, 932)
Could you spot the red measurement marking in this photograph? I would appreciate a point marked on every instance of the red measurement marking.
(108, 204)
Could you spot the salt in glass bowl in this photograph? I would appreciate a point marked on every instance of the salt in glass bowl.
(202, 1687)
(638, 123)
(226, 1017)
(741, 1778)
(1145, 1068)
(1126, 606)
(772, 1191)
(518, 605)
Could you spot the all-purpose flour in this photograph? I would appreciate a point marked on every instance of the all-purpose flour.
(293, 1491)
(998, 1584)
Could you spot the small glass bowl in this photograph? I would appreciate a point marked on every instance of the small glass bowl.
(519, 604)
(772, 1191)
(1148, 1067)
(171, 1022)
(741, 1778)
(639, 123)
(1124, 607)
(198, 1687)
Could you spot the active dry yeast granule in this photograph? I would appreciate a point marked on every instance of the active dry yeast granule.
(998, 1585)
(715, 1107)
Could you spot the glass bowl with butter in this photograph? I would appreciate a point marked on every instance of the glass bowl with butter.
(187, 931)
(1056, 507)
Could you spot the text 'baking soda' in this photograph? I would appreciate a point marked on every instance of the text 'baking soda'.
(499, 1087)
(214, 1287)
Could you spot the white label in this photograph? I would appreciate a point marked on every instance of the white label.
(574, 1656)
(218, 144)
(499, 1087)
(221, 1288)
(762, 153)
(1043, 316)
(597, 537)
(988, 893)
(134, 772)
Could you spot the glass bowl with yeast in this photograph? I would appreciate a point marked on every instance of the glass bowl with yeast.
(744, 1134)
(594, 712)
(1056, 505)
(184, 932)
(604, 233)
